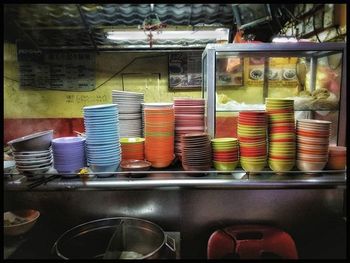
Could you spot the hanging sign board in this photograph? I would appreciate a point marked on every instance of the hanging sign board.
(70, 71)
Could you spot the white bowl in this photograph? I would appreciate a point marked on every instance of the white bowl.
(30, 217)
(310, 166)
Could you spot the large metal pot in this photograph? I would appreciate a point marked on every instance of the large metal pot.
(90, 240)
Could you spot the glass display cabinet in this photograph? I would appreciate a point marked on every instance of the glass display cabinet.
(240, 76)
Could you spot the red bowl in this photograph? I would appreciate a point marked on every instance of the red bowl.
(281, 129)
(252, 139)
(311, 151)
(280, 157)
(233, 159)
(313, 134)
(282, 140)
(225, 156)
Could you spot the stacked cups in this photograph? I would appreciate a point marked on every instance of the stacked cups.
(252, 134)
(159, 133)
(68, 155)
(281, 134)
(313, 143)
(102, 138)
(225, 153)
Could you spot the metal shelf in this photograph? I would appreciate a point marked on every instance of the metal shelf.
(177, 179)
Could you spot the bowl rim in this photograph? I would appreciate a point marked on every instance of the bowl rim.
(30, 136)
(37, 214)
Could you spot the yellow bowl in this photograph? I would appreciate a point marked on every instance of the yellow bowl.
(132, 140)
(281, 166)
(253, 167)
(253, 159)
(225, 166)
(224, 140)
(222, 148)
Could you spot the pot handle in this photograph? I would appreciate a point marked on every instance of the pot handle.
(171, 244)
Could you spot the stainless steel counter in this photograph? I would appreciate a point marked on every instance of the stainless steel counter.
(310, 207)
(238, 179)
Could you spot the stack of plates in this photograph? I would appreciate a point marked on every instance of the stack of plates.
(252, 134)
(33, 163)
(159, 133)
(189, 118)
(69, 155)
(313, 143)
(225, 153)
(132, 148)
(130, 114)
(102, 138)
(196, 152)
(281, 134)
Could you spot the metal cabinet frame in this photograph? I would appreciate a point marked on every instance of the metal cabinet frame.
(312, 50)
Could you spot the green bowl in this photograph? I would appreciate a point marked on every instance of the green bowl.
(278, 166)
(132, 140)
(253, 167)
(253, 159)
(225, 166)
(224, 140)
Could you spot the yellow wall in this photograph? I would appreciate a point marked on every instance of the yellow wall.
(62, 104)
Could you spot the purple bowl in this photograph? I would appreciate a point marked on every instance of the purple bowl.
(68, 147)
(68, 154)
(68, 168)
(69, 161)
(68, 140)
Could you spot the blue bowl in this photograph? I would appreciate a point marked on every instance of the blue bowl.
(104, 168)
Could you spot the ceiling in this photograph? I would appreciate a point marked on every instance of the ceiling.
(84, 26)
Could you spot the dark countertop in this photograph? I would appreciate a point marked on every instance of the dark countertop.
(38, 242)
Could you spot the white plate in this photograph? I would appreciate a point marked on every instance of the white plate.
(30, 167)
(33, 161)
(9, 165)
(35, 170)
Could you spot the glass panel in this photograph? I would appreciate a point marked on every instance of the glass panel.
(312, 79)
(239, 86)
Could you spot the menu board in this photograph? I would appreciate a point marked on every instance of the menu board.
(185, 70)
(70, 71)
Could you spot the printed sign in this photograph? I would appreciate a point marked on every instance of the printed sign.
(71, 71)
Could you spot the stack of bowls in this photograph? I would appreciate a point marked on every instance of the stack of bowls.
(68, 155)
(189, 118)
(252, 134)
(225, 153)
(132, 148)
(159, 133)
(196, 152)
(130, 114)
(281, 134)
(33, 153)
(33, 163)
(102, 138)
(336, 158)
(313, 143)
